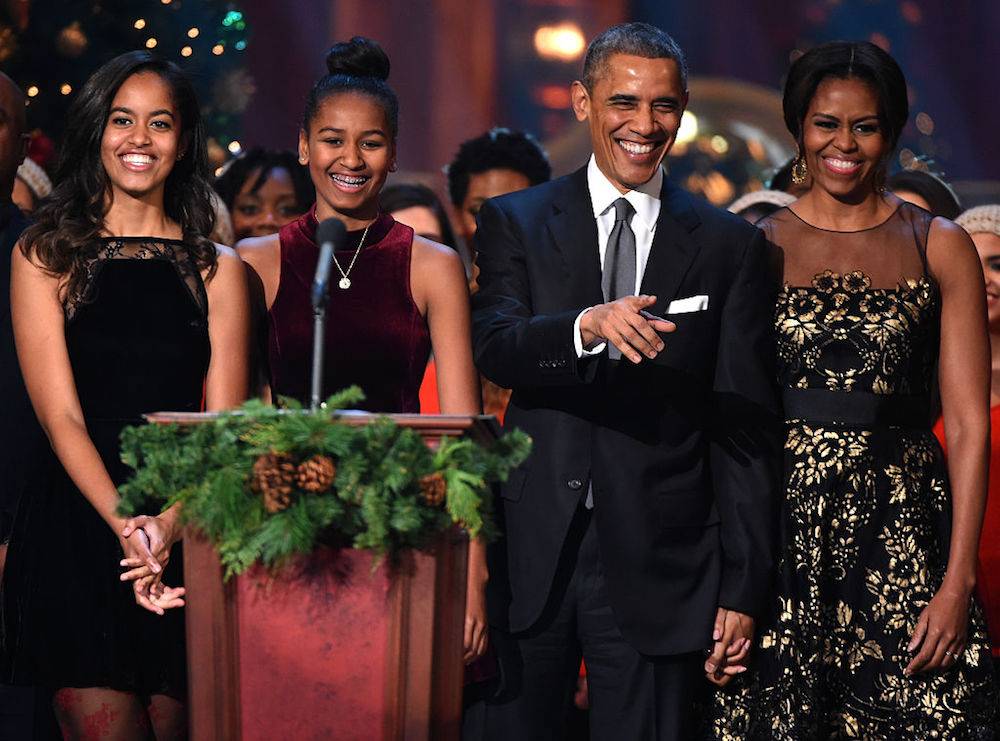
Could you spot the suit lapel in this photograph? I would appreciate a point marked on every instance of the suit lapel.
(673, 249)
(574, 230)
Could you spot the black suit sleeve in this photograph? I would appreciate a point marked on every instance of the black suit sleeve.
(514, 346)
(745, 455)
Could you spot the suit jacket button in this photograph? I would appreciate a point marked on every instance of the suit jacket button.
(575, 484)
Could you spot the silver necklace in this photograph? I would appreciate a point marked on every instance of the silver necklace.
(345, 282)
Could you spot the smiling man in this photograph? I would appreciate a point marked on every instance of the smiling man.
(633, 323)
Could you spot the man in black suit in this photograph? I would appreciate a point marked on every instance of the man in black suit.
(633, 323)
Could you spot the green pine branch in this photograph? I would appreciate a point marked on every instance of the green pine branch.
(375, 501)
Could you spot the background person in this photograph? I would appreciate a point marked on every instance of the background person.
(757, 204)
(983, 225)
(31, 185)
(417, 207)
(495, 163)
(264, 190)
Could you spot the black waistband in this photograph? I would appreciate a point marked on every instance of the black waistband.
(857, 408)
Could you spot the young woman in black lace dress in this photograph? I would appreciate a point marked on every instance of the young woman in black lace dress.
(121, 306)
(873, 633)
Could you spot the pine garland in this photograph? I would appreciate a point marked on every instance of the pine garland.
(378, 499)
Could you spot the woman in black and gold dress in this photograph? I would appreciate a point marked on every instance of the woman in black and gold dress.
(874, 632)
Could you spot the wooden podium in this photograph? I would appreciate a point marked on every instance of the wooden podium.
(330, 648)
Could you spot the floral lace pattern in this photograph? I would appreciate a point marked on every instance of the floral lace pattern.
(865, 532)
(141, 248)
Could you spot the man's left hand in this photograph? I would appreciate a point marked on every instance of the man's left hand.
(733, 636)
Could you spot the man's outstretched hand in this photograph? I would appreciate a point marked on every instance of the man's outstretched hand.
(733, 636)
(626, 325)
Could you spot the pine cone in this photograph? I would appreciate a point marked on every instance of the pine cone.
(316, 474)
(274, 477)
(433, 489)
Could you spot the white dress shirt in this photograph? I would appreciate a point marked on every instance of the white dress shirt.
(646, 202)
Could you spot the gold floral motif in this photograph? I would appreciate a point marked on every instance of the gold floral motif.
(856, 282)
(844, 315)
(826, 282)
(861, 557)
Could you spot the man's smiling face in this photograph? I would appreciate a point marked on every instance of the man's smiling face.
(633, 111)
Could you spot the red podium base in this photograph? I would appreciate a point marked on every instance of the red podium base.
(329, 649)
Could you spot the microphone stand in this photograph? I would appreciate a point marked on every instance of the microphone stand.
(319, 333)
(329, 234)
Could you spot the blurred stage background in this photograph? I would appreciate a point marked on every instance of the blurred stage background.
(462, 66)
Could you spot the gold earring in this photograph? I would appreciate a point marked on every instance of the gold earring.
(800, 171)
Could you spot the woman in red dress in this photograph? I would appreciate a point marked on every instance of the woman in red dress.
(983, 224)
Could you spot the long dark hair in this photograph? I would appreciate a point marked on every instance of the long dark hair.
(63, 239)
(398, 196)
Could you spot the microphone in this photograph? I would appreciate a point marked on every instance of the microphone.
(330, 235)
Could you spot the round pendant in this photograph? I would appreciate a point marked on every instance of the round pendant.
(345, 283)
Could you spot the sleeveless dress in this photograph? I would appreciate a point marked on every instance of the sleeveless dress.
(866, 512)
(376, 337)
(138, 343)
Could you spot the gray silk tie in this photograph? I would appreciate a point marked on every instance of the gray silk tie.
(618, 278)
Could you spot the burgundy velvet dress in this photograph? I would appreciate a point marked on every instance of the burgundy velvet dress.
(376, 337)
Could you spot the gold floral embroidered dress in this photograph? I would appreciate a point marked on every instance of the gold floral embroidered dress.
(866, 514)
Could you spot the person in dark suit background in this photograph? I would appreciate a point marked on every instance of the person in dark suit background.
(633, 323)
(24, 713)
(13, 437)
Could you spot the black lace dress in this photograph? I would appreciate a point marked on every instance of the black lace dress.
(866, 514)
(138, 342)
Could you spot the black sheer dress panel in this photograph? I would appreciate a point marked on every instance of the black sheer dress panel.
(137, 337)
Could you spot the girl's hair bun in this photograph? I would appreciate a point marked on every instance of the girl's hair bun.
(359, 57)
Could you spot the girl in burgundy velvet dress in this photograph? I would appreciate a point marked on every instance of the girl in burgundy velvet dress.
(392, 297)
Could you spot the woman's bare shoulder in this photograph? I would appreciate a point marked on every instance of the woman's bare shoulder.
(259, 250)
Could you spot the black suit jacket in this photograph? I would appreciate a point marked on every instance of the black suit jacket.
(682, 451)
(20, 434)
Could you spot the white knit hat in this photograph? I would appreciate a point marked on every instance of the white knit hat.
(776, 197)
(981, 219)
(31, 173)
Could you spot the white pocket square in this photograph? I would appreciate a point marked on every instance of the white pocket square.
(688, 305)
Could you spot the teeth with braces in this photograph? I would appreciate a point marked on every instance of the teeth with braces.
(348, 180)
